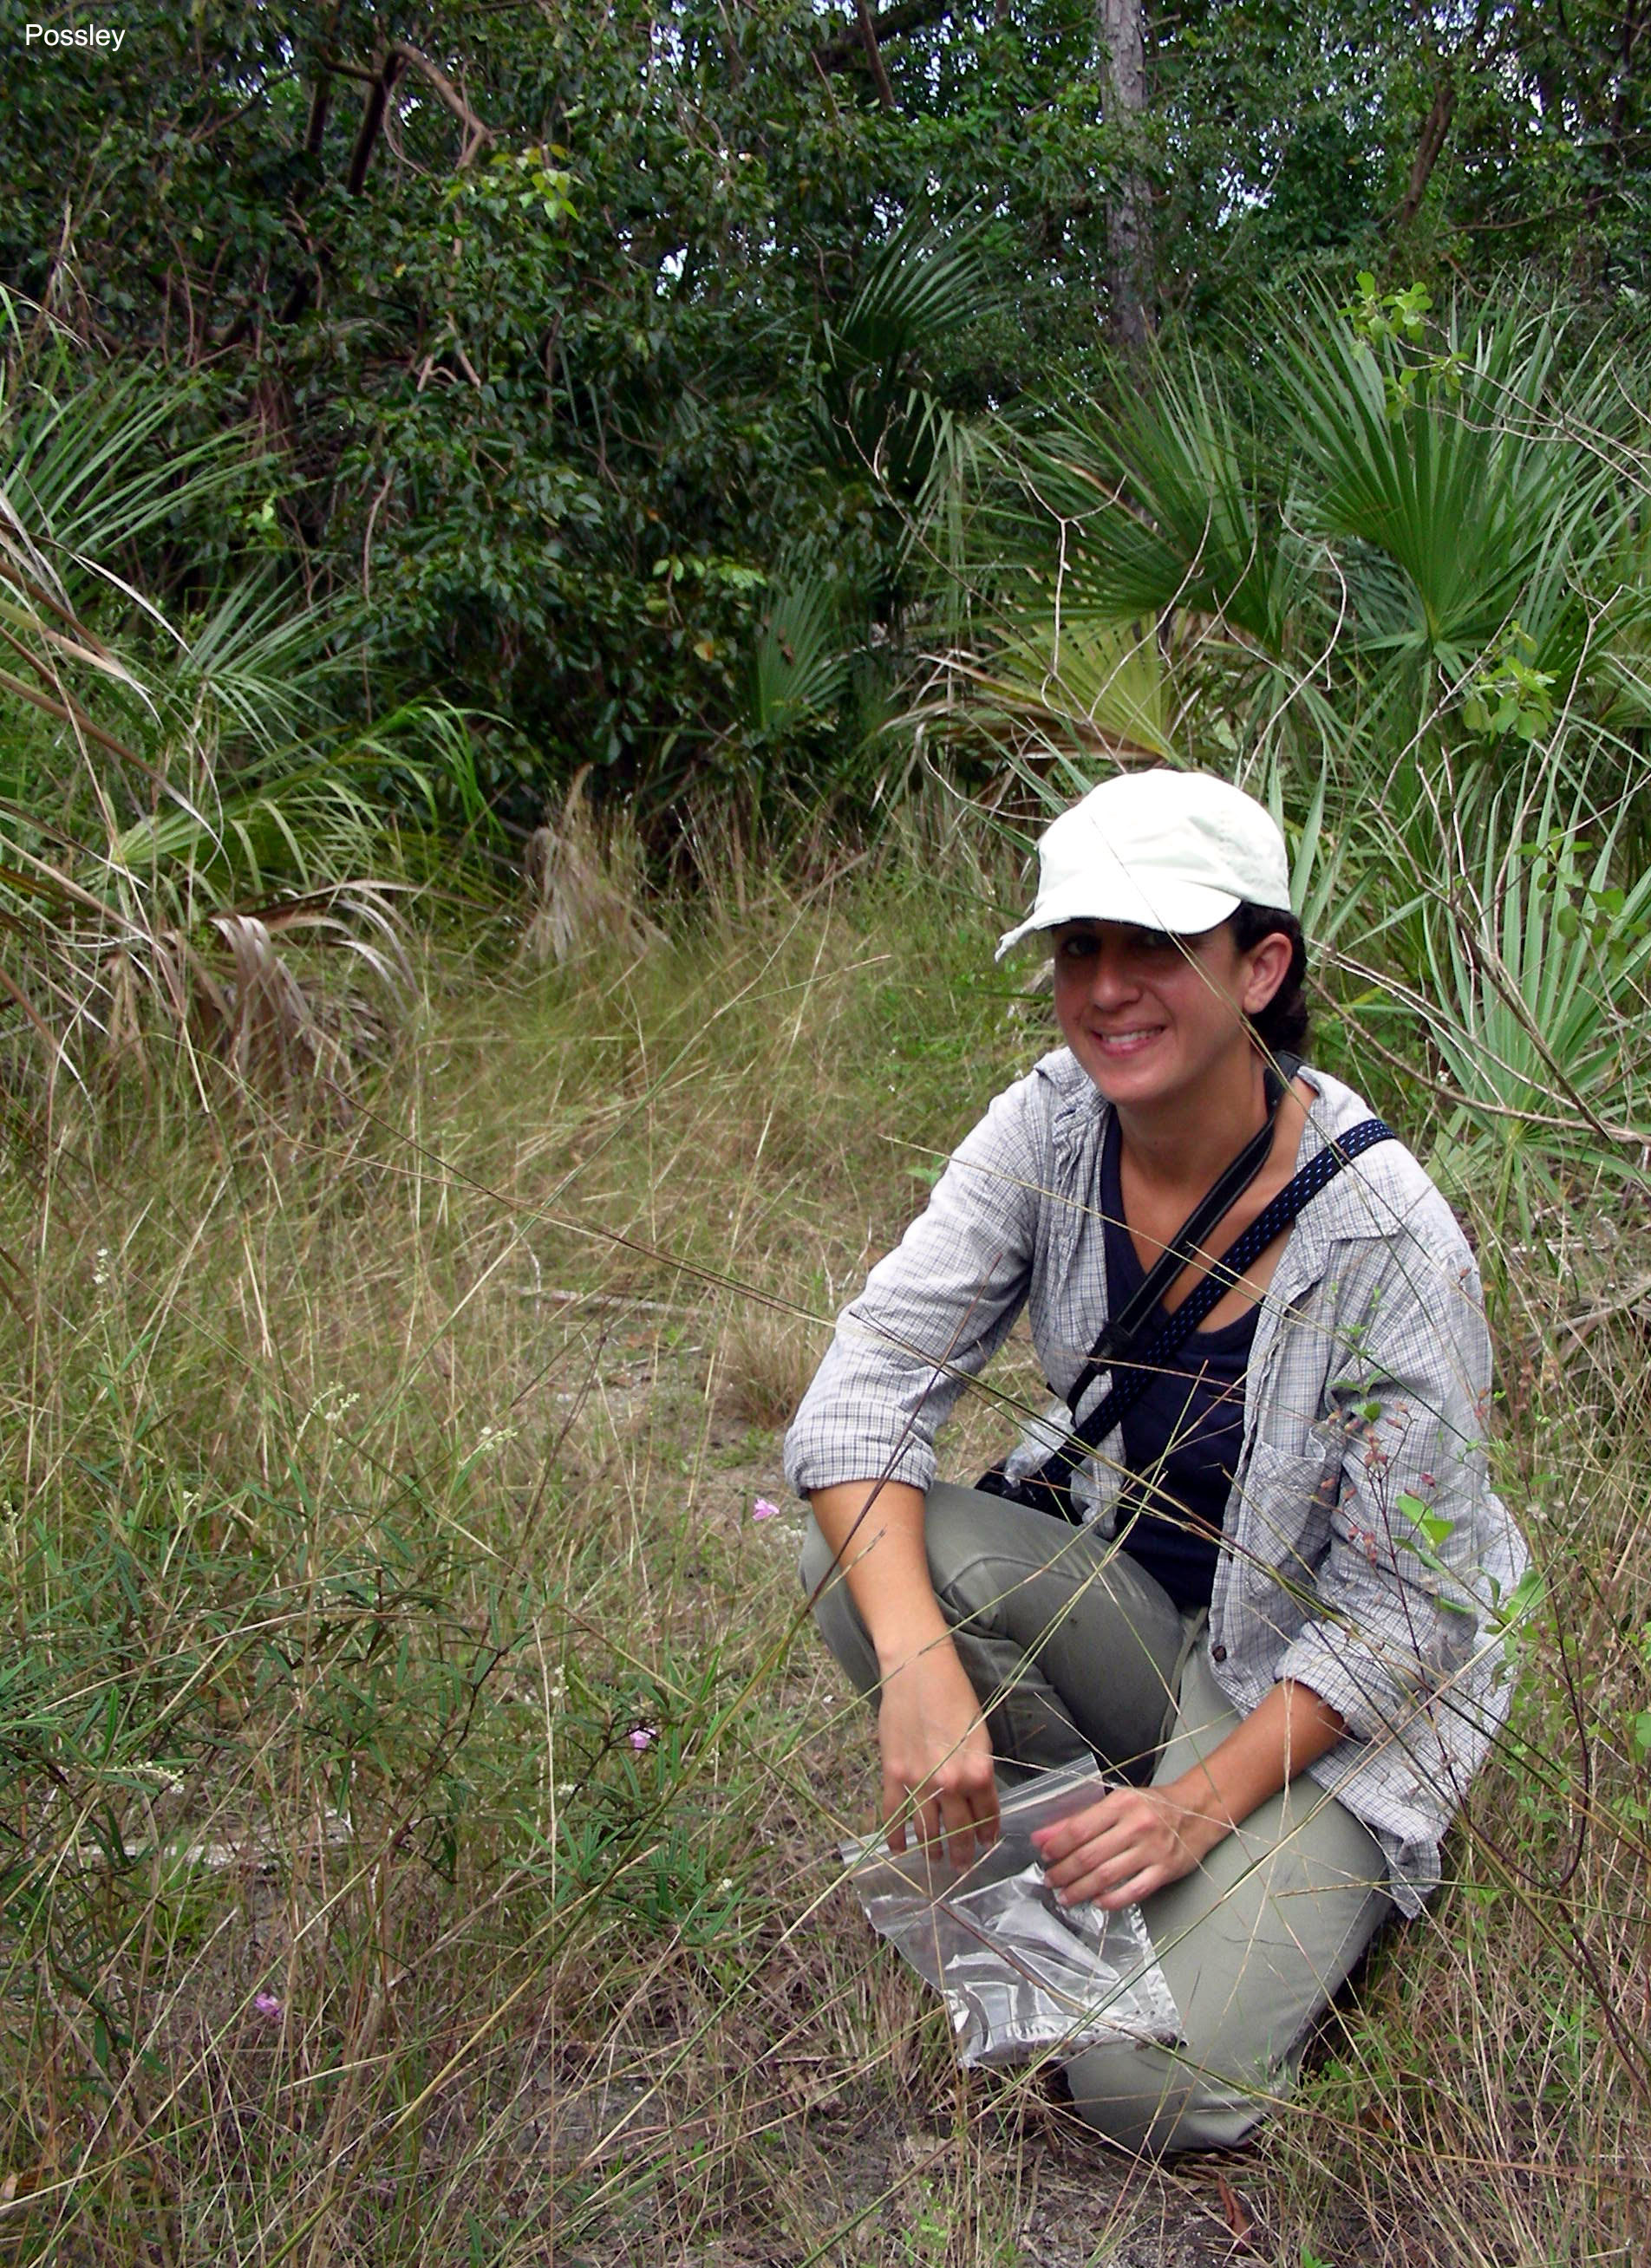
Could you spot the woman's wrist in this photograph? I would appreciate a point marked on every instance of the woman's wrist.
(1207, 1822)
(912, 1637)
(1289, 1728)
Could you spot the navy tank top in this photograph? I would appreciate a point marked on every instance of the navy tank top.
(1182, 1438)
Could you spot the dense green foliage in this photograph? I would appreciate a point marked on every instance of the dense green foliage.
(540, 320)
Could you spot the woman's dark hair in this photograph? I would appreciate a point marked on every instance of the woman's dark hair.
(1282, 1025)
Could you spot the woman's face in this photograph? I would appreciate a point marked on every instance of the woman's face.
(1154, 1018)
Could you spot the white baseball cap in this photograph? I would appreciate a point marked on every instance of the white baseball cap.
(1159, 849)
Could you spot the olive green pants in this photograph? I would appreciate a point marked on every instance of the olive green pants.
(1074, 1649)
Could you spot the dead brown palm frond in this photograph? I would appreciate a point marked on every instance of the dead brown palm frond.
(267, 1029)
(111, 969)
(232, 994)
(582, 878)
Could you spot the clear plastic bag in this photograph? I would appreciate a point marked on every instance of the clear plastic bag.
(1020, 1974)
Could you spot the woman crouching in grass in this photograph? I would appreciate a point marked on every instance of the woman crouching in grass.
(1248, 1560)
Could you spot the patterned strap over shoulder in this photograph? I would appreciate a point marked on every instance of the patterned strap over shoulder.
(1047, 1490)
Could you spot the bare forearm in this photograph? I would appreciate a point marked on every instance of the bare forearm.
(1137, 1839)
(1289, 1728)
(931, 1731)
(875, 1528)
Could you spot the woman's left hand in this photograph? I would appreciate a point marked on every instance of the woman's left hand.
(1120, 1849)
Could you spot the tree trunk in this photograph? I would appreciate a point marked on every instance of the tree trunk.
(874, 56)
(1128, 219)
(1436, 125)
(1434, 129)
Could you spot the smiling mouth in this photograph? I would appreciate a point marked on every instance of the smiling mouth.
(1127, 1042)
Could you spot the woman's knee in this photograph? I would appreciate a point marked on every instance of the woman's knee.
(951, 1536)
(980, 1551)
(837, 1617)
(814, 1566)
(1155, 2103)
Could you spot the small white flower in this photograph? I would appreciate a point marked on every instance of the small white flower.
(332, 1403)
(724, 1886)
(101, 1265)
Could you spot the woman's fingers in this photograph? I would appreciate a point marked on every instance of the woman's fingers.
(1110, 1897)
(1062, 1846)
(962, 1818)
(938, 1778)
(969, 1798)
(969, 1820)
(961, 1815)
(1117, 1851)
(1091, 1872)
(905, 1820)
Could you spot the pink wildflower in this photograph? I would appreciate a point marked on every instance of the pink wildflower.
(643, 1736)
(763, 1510)
(268, 2006)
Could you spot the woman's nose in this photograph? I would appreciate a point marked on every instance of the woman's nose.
(1111, 975)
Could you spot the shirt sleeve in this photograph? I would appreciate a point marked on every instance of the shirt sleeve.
(1401, 1643)
(934, 1311)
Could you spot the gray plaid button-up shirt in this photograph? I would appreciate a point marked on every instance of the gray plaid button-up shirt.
(1364, 1550)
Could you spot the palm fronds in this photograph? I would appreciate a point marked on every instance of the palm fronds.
(798, 667)
(879, 414)
(1398, 587)
(1164, 502)
(1392, 544)
(181, 807)
(1536, 996)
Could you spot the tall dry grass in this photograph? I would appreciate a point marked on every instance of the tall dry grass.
(418, 1796)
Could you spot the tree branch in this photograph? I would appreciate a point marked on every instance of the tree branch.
(372, 120)
(868, 41)
(1434, 129)
(476, 134)
(907, 15)
(398, 56)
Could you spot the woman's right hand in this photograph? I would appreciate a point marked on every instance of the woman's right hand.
(936, 1750)
(936, 1754)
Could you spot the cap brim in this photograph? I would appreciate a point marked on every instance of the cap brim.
(1183, 908)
